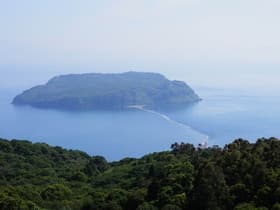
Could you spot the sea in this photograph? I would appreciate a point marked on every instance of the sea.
(221, 117)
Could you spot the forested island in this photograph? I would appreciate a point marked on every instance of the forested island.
(240, 176)
(108, 91)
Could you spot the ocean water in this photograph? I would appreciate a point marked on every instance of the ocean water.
(225, 115)
(221, 116)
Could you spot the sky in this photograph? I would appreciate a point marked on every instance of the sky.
(213, 43)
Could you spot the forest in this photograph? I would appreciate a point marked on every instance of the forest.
(239, 176)
(96, 91)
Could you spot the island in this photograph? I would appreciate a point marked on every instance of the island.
(93, 91)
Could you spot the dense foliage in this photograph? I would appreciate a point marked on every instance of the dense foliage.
(108, 91)
(240, 176)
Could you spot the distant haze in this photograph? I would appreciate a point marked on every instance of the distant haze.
(233, 44)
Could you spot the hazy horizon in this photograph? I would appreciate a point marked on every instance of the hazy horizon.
(253, 79)
(218, 44)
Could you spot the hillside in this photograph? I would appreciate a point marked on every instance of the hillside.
(108, 91)
(239, 176)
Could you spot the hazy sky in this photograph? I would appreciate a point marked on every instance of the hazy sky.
(206, 43)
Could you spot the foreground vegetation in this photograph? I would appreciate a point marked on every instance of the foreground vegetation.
(239, 176)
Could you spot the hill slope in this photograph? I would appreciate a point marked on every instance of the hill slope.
(108, 91)
(240, 176)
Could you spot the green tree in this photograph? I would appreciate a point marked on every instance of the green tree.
(210, 190)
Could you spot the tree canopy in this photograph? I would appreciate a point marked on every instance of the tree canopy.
(242, 175)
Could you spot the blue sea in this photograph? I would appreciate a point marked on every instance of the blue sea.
(222, 116)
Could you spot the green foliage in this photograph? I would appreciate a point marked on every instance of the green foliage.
(146, 206)
(239, 176)
(171, 207)
(56, 192)
(108, 91)
(95, 166)
(14, 202)
(249, 206)
(276, 206)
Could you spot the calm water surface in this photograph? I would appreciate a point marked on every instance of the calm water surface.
(223, 116)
